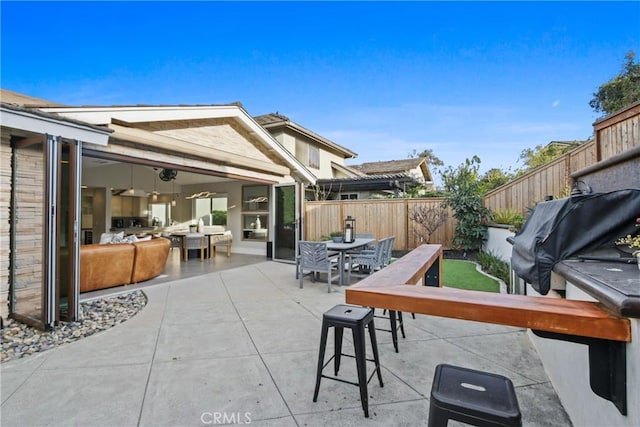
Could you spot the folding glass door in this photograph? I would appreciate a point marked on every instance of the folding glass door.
(44, 230)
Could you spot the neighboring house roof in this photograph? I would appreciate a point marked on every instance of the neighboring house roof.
(275, 121)
(395, 166)
(567, 143)
(346, 170)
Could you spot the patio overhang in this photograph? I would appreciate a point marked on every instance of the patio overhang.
(369, 183)
(35, 122)
(162, 142)
(266, 153)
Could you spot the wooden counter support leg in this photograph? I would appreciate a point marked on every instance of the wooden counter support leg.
(607, 366)
(432, 276)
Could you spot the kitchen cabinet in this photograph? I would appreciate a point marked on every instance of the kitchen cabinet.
(116, 206)
(125, 206)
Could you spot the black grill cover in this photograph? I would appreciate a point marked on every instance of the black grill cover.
(559, 229)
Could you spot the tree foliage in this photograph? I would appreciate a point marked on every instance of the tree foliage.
(543, 154)
(621, 91)
(494, 178)
(432, 159)
(464, 196)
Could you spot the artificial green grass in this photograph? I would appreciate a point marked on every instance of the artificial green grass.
(463, 275)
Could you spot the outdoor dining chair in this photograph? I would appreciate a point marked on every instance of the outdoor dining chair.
(368, 260)
(388, 250)
(315, 258)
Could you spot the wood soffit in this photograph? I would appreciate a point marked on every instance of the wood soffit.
(134, 136)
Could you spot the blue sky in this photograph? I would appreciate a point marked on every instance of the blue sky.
(463, 79)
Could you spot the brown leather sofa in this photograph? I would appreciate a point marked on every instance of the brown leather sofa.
(105, 266)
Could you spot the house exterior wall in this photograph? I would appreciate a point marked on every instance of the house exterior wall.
(5, 185)
(29, 260)
(297, 146)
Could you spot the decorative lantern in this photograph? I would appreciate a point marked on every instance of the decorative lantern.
(349, 234)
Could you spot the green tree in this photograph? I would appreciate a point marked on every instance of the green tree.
(621, 91)
(432, 159)
(463, 195)
(541, 155)
(494, 178)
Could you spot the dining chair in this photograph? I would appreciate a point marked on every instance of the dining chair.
(174, 241)
(388, 250)
(368, 260)
(315, 258)
(194, 241)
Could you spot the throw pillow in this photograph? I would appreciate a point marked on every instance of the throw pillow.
(106, 238)
(131, 239)
(118, 238)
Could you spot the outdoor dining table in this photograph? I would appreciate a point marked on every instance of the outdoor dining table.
(342, 248)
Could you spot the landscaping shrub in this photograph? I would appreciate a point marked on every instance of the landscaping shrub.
(464, 196)
(494, 266)
(509, 217)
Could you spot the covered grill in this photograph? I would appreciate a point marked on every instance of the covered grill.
(560, 229)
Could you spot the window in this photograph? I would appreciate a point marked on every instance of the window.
(308, 154)
(255, 212)
(352, 196)
(160, 214)
(212, 210)
(314, 157)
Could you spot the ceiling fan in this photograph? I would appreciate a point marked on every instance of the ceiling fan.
(168, 174)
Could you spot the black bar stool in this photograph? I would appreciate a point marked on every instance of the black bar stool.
(355, 318)
(472, 397)
(394, 325)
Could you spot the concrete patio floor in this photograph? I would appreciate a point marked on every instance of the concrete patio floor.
(241, 346)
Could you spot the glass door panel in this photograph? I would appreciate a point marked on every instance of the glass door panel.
(286, 222)
(67, 230)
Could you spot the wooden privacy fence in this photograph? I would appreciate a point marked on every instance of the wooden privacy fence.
(383, 218)
(612, 135)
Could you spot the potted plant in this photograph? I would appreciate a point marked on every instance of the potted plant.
(630, 244)
(336, 236)
(193, 228)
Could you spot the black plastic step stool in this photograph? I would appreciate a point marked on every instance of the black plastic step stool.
(473, 397)
(355, 318)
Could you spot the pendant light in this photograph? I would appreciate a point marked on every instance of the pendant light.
(154, 196)
(131, 191)
(173, 202)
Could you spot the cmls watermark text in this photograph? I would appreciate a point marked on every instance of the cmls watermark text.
(212, 418)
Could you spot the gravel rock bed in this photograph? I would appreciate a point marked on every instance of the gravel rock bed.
(20, 340)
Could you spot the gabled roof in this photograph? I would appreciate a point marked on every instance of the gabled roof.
(11, 97)
(396, 166)
(143, 125)
(390, 166)
(15, 115)
(274, 121)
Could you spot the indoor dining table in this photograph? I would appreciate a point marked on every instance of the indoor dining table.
(342, 248)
